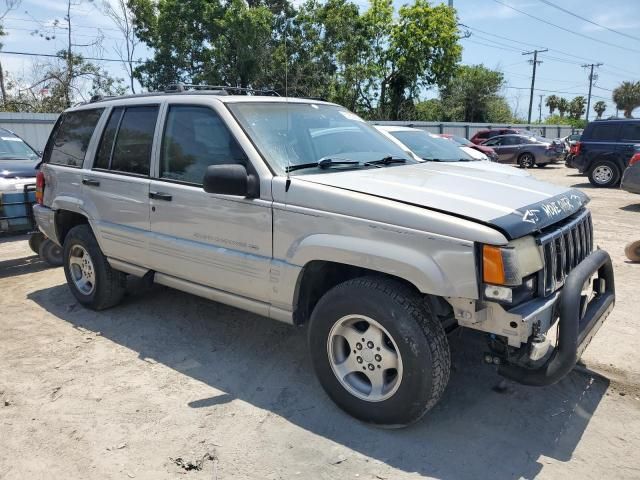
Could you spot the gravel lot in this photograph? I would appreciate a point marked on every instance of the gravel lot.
(167, 385)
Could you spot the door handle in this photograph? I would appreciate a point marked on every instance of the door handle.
(91, 182)
(160, 196)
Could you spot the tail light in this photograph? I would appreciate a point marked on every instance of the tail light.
(39, 187)
(635, 159)
(575, 148)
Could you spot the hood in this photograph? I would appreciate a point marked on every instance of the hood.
(488, 166)
(18, 168)
(514, 204)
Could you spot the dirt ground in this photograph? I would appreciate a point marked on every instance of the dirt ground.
(169, 386)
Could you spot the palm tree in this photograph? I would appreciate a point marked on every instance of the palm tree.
(563, 106)
(627, 97)
(576, 107)
(599, 107)
(552, 103)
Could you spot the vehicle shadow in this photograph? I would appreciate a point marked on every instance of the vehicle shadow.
(583, 185)
(476, 427)
(22, 266)
(633, 207)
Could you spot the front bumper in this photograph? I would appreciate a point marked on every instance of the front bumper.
(45, 219)
(579, 320)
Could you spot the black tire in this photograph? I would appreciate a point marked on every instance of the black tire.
(604, 174)
(35, 240)
(420, 339)
(541, 165)
(109, 285)
(632, 251)
(50, 253)
(526, 160)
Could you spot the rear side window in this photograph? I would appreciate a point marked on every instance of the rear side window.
(482, 135)
(194, 138)
(72, 137)
(604, 132)
(631, 132)
(127, 140)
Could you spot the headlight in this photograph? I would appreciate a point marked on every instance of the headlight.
(508, 271)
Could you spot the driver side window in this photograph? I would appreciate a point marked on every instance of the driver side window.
(494, 142)
(194, 138)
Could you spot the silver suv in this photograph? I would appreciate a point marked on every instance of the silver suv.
(300, 211)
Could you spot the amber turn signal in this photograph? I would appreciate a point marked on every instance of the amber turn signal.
(492, 265)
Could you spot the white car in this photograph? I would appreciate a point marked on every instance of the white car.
(428, 147)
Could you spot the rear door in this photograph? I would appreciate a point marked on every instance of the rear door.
(629, 137)
(220, 241)
(116, 189)
(505, 147)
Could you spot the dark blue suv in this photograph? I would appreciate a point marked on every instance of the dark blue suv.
(604, 150)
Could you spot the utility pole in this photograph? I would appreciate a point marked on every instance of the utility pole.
(540, 110)
(535, 62)
(591, 79)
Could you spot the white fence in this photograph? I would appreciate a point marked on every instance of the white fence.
(467, 130)
(34, 128)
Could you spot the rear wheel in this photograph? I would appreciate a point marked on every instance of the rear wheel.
(35, 240)
(526, 160)
(378, 351)
(90, 277)
(604, 173)
(50, 252)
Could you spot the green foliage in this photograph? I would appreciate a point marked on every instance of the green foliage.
(472, 96)
(375, 61)
(552, 103)
(563, 106)
(428, 110)
(599, 107)
(577, 107)
(560, 120)
(627, 97)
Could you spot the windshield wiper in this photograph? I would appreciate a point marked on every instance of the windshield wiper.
(322, 163)
(385, 161)
(431, 159)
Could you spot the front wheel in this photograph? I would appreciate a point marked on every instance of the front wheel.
(526, 160)
(604, 173)
(90, 277)
(378, 351)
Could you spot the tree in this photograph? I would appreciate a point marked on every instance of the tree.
(599, 107)
(428, 110)
(563, 106)
(627, 97)
(552, 103)
(122, 17)
(577, 107)
(471, 93)
(9, 5)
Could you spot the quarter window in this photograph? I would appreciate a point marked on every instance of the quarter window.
(194, 138)
(631, 131)
(72, 137)
(127, 140)
(604, 132)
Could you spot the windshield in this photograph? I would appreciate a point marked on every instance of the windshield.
(431, 148)
(14, 148)
(289, 134)
(461, 140)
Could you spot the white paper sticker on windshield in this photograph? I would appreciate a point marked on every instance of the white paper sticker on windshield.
(11, 139)
(350, 116)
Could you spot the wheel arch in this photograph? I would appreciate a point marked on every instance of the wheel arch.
(65, 220)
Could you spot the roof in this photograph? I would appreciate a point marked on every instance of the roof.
(397, 128)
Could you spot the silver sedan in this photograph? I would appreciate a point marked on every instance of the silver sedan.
(525, 150)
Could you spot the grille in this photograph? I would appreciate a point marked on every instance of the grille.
(563, 248)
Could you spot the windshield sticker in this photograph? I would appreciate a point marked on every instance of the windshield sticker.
(11, 139)
(350, 116)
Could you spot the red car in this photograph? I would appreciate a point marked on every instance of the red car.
(488, 151)
(483, 135)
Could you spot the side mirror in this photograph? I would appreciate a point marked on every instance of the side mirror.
(230, 179)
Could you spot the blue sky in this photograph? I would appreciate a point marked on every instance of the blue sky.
(560, 71)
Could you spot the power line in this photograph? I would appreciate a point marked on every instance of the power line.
(566, 29)
(535, 63)
(554, 91)
(569, 12)
(53, 55)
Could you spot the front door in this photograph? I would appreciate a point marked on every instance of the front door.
(117, 187)
(219, 241)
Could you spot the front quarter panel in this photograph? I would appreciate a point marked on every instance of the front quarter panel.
(415, 247)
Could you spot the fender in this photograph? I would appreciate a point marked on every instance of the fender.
(429, 274)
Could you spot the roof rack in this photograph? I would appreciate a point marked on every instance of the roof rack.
(183, 87)
(187, 89)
